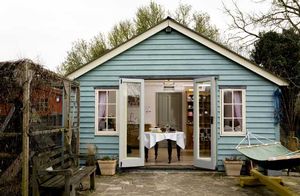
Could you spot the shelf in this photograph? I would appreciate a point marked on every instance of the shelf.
(204, 108)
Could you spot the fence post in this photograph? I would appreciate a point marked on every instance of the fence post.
(78, 119)
(25, 126)
(66, 115)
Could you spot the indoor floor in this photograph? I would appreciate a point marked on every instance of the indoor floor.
(186, 157)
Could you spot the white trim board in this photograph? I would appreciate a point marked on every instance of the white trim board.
(187, 32)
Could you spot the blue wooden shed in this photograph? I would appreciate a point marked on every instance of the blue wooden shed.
(172, 77)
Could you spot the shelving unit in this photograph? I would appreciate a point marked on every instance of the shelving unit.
(189, 119)
(204, 115)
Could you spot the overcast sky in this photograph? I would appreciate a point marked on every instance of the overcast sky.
(44, 30)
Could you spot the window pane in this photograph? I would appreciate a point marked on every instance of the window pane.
(133, 119)
(227, 97)
(102, 97)
(101, 111)
(102, 124)
(111, 96)
(238, 111)
(106, 117)
(238, 125)
(111, 110)
(227, 125)
(227, 110)
(111, 124)
(237, 96)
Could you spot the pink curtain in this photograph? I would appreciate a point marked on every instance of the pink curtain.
(101, 104)
(101, 110)
(237, 99)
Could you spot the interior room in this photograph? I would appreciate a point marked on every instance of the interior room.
(168, 108)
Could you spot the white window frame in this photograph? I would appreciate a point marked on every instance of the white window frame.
(96, 113)
(233, 133)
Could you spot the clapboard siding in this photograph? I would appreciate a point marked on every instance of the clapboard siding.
(176, 55)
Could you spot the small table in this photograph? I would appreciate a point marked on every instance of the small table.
(151, 139)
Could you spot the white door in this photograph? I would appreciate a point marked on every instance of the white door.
(131, 139)
(205, 123)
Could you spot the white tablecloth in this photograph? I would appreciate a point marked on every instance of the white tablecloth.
(150, 138)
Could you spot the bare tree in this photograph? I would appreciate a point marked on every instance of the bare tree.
(183, 14)
(282, 14)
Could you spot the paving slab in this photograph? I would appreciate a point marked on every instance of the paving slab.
(180, 183)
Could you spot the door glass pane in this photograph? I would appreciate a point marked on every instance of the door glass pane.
(204, 120)
(133, 119)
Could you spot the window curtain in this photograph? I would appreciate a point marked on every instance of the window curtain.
(102, 105)
(237, 99)
(101, 110)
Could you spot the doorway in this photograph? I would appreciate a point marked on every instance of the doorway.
(188, 107)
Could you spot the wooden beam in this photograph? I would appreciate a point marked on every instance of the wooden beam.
(2, 135)
(46, 132)
(78, 119)
(12, 171)
(278, 188)
(66, 114)
(27, 77)
(253, 181)
(8, 117)
(4, 155)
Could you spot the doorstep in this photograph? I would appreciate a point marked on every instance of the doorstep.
(171, 169)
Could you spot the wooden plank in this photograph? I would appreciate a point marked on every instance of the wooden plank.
(8, 117)
(3, 135)
(54, 162)
(51, 153)
(278, 188)
(46, 131)
(56, 181)
(78, 120)
(7, 155)
(66, 113)
(12, 171)
(253, 181)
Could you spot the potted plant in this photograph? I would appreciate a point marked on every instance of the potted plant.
(107, 165)
(233, 166)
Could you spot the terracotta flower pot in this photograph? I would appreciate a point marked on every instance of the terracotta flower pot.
(107, 167)
(233, 167)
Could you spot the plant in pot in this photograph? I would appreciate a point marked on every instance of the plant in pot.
(233, 166)
(107, 165)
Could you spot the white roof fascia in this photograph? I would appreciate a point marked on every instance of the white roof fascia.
(118, 50)
(227, 53)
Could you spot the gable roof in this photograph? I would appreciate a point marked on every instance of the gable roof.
(169, 22)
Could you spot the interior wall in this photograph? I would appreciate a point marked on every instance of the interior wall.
(154, 86)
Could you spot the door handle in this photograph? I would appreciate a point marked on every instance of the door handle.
(211, 120)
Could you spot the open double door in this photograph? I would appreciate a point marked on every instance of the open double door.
(131, 102)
